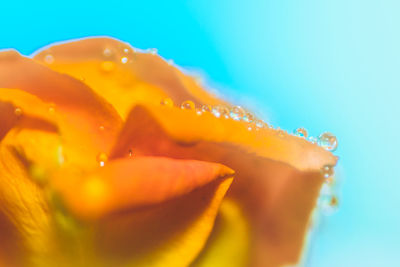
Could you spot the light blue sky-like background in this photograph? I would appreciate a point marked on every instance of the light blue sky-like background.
(324, 65)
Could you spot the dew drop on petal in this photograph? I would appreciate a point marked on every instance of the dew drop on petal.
(130, 153)
(107, 52)
(199, 111)
(48, 59)
(107, 66)
(101, 128)
(167, 102)
(126, 50)
(260, 124)
(237, 113)
(188, 104)
(206, 108)
(301, 132)
(312, 139)
(102, 159)
(328, 141)
(18, 111)
(327, 171)
(52, 109)
(248, 117)
(124, 60)
(152, 51)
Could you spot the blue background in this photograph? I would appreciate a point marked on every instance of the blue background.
(324, 65)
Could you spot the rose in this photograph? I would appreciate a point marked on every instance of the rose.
(94, 171)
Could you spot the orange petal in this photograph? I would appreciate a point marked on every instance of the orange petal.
(277, 176)
(143, 78)
(74, 100)
(171, 233)
(136, 182)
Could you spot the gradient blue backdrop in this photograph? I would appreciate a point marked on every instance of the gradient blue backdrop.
(324, 65)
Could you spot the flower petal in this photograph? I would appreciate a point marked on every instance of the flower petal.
(142, 78)
(277, 177)
(136, 182)
(74, 100)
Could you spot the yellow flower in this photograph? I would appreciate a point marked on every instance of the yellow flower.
(99, 167)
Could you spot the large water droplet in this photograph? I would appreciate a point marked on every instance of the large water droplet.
(167, 102)
(48, 59)
(328, 141)
(237, 113)
(102, 159)
(301, 132)
(107, 66)
(18, 111)
(188, 104)
(327, 171)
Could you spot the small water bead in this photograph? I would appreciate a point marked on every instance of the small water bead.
(220, 111)
(130, 153)
(301, 132)
(327, 171)
(107, 52)
(237, 113)
(126, 50)
(152, 51)
(312, 139)
(206, 108)
(248, 117)
(102, 159)
(328, 141)
(199, 111)
(18, 111)
(124, 60)
(48, 59)
(188, 104)
(101, 128)
(167, 102)
(52, 110)
(260, 124)
(107, 66)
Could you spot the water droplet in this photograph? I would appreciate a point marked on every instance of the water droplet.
(107, 52)
(152, 51)
(248, 117)
(102, 159)
(220, 111)
(260, 124)
(206, 108)
(237, 113)
(199, 111)
(281, 133)
(124, 60)
(48, 59)
(107, 66)
(301, 132)
(101, 128)
(328, 141)
(126, 50)
(327, 171)
(18, 111)
(187, 105)
(312, 139)
(167, 102)
(130, 153)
